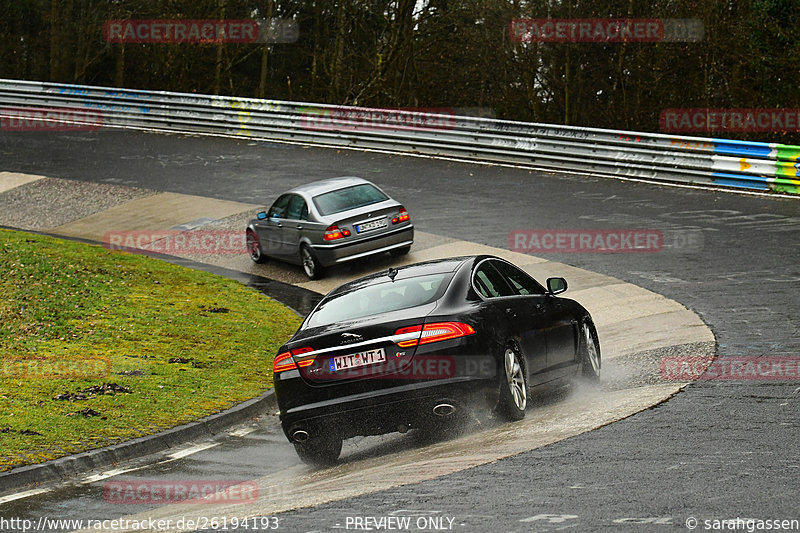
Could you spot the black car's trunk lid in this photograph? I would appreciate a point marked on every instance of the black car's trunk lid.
(380, 346)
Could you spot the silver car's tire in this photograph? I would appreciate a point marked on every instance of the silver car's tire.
(254, 248)
(590, 353)
(311, 266)
(319, 451)
(514, 386)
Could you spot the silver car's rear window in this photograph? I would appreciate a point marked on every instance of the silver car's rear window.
(348, 198)
(380, 298)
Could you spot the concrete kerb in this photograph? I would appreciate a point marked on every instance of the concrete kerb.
(302, 300)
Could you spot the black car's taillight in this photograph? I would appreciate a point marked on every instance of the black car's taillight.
(283, 361)
(435, 332)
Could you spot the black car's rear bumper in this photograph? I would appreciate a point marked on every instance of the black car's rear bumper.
(407, 405)
(459, 372)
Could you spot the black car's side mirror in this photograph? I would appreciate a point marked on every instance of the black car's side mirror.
(261, 215)
(556, 285)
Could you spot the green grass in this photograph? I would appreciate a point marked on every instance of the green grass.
(73, 316)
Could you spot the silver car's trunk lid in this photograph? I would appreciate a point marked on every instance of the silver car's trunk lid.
(370, 221)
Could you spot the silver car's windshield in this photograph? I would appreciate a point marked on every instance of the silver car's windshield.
(348, 198)
(380, 298)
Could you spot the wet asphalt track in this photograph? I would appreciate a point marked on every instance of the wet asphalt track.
(718, 450)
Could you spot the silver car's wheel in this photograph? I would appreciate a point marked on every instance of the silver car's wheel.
(514, 392)
(591, 353)
(254, 248)
(311, 266)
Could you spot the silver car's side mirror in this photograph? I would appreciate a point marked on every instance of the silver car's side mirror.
(261, 215)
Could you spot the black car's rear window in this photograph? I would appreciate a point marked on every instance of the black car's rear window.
(380, 298)
(353, 197)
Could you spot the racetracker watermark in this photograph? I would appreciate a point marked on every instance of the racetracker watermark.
(730, 368)
(402, 367)
(399, 523)
(600, 30)
(181, 31)
(586, 241)
(55, 368)
(180, 491)
(750, 525)
(175, 242)
(49, 119)
(734, 120)
(178, 31)
(366, 119)
(199, 523)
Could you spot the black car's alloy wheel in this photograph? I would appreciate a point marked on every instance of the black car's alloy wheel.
(514, 389)
(311, 266)
(254, 248)
(590, 353)
(319, 451)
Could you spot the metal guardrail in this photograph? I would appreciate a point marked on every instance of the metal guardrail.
(614, 153)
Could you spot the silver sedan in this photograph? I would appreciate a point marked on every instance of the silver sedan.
(327, 222)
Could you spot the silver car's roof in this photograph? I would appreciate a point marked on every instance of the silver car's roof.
(316, 188)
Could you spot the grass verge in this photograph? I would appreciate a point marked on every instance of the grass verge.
(98, 347)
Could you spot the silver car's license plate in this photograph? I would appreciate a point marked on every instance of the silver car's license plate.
(355, 360)
(372, 224)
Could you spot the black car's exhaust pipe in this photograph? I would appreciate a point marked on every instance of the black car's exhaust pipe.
(444, 409)
(300, 436)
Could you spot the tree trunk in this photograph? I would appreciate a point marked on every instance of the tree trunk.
(334, 93)
(119, 74)
(218, 66)
(55, 40)
(262, 80)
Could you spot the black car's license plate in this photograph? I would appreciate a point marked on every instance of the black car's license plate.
(371, 225)
(355, 360)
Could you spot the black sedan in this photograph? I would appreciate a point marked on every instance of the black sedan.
(410, 346)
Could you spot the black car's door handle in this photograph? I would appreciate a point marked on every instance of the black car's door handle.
(510, 311)
(299, 226)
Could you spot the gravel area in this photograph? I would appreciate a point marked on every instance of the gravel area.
(47, 203)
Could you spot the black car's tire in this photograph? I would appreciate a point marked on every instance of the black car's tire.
(514, 385)
(254, 248)
(398, 252)
(312, 267)
(589, 353)
(319, 451)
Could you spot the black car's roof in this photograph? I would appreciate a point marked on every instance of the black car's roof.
(434, 266)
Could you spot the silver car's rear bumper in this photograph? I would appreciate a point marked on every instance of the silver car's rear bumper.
(331, 254)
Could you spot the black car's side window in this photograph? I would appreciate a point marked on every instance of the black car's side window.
(521, 282)
(298, 210)
(278, 209)
(489, 282)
